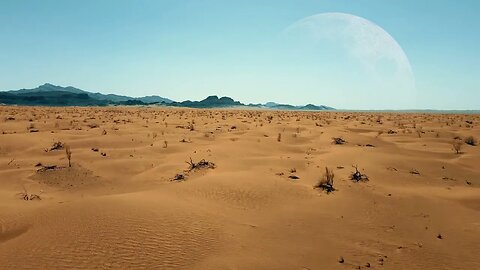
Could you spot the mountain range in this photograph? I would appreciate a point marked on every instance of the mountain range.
(53, 95)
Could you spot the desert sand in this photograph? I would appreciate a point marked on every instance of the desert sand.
(131, 200)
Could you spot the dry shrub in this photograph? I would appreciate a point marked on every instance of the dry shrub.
(326, 183)
(56, 146)
(470, 141)
(357, 176)
(202, 164)
(419, 132)
(457, 146)
(179, 177)
(68, 153)
(45, 168)
(29, 197)
(414, 171)
(338, 140)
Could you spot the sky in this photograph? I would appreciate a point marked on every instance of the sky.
(348, 54)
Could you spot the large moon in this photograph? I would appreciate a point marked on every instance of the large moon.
(375, 67)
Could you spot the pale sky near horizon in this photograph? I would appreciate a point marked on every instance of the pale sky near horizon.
(190, 49)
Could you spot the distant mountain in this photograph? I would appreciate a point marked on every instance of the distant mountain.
(154, 99)
(308, 107)
(53, 95)
(224, 102)
(98, 96)
(209, 102)
(50, 98)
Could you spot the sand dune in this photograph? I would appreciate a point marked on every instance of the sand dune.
(119, 207)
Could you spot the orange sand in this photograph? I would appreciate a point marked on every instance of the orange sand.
(121, 210)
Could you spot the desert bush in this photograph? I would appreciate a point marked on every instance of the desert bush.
(45, 168)
(68, 153)
(179, 177)
(326, 183)
(357, 176)
(202, 164)
(338, 140)
(457, 146)
(419, 132)
(414, 171)
(55, 146)
(470, 141)
(29, 197)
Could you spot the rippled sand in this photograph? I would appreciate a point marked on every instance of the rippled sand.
(117, 206)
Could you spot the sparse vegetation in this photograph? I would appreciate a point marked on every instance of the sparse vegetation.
(419, 132)
(29, 197)
(194, 166)
(56, 146)
(202, 164)
(326, 183)
(338, 140)
(68, 153)
(457, 146)
(414, 171)
(357, 176)
(470, 141)
(45, 167)
(179, 177)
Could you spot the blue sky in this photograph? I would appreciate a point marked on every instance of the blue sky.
(192, 49)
